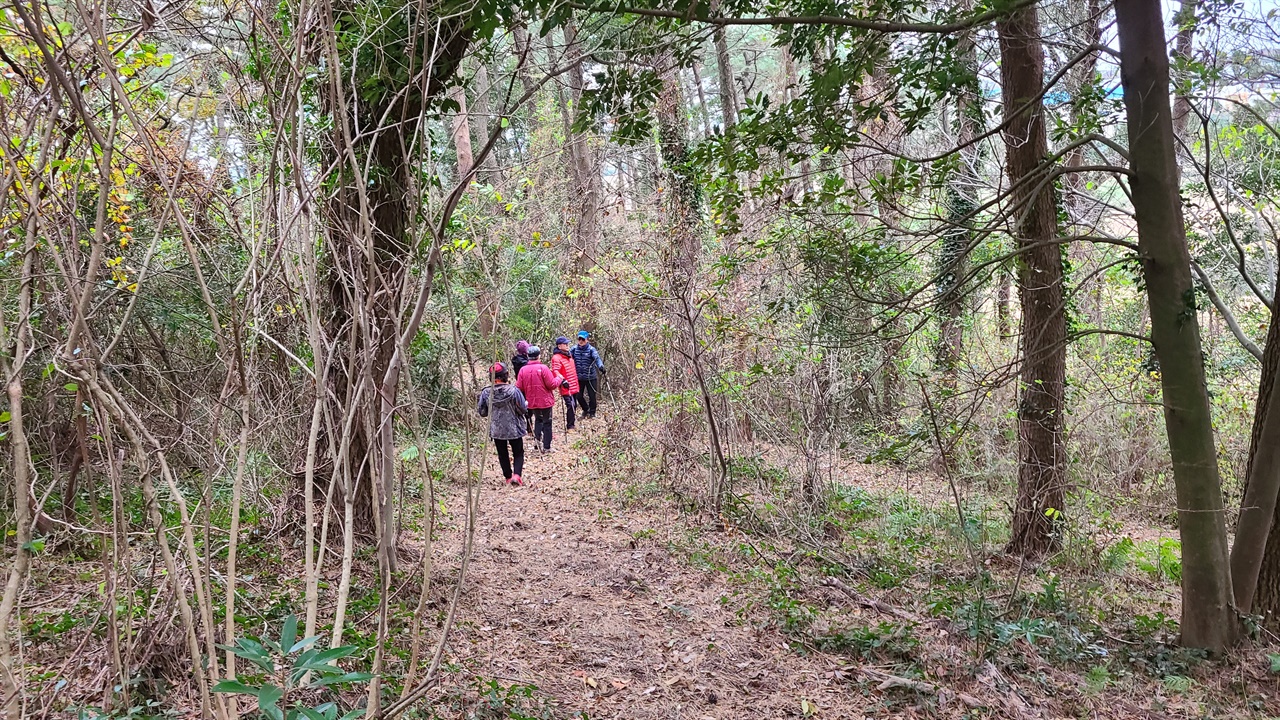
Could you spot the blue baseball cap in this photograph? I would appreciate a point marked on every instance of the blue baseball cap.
(583, 334)
(562, 340)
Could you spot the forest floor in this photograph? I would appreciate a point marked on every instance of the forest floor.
(568, 596)
(595, 597)
(600, 590)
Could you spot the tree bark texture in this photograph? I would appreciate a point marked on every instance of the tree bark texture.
(1182, 45)
(478, 116)
(962, 201)
(1256, 552)
(724, 70)
(588, 187)
(461, 132)
(369, 214)
(1041, 451)
(1208, 618)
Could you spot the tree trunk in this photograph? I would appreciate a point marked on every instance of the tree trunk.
(368, 217)
(962, 201)
(1077, 201)
(1002, 301)
(703, 114)
(479, 116)
(1208, 618)
(588, 187)
(728, 96)
(16, 339)
(1255, 556)
(461, 132)
(1182, 44)
(1041, 453)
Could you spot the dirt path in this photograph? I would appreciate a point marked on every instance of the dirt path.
(561, 596)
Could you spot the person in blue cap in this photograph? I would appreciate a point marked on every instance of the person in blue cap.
(590, 367)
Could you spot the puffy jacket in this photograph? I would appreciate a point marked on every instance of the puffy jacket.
(586, 360)
(538, 384)
(518, 361)
(562, 364)
(508, 408)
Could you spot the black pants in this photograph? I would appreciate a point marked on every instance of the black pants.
(570, 401)
(587, 388)
(542, 426)
(517, 452)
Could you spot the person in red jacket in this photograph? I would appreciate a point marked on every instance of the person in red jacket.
(562, 365)
(539, 384)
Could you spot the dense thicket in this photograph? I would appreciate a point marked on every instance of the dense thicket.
(256, 261)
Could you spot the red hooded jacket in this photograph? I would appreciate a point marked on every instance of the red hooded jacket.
(538, 384)
(562, 365)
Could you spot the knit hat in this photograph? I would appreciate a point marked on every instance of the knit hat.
(562, 340)
(522, 347)
(534, 351)
(583, 334)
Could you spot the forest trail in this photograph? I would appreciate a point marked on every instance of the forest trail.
(561, 595)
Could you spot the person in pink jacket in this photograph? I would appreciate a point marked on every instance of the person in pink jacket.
(539, 384)
(562, 365)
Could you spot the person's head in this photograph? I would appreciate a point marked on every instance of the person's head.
(499, 373)
(582, 337)
(534, 352)
(562, 343)
(522, 347)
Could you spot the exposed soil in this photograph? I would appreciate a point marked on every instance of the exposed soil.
(563, 596)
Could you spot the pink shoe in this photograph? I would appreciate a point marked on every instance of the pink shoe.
(516, 480)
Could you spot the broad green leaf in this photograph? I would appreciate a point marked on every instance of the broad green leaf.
(303, 643)
(290, 634)
(342, 679)
(71, 387)
(268, 696)
(335, 653)
(235, 686)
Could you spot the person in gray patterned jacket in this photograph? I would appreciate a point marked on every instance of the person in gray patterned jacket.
(506, 408)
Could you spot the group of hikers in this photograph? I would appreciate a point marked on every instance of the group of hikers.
(516, 407)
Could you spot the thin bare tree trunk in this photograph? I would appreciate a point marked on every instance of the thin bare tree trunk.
(724, 71)
(233, 534)
(11, 364)
(461, 132)
(1182, 46)
(703, 114)
(479, 117)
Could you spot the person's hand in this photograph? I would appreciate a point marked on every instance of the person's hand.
(564, 384)
(601, 371)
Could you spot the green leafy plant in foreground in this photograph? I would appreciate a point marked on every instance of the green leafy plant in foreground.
(290, 665)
